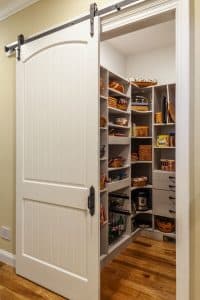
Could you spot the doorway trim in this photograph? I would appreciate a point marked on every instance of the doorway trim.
(126, 20)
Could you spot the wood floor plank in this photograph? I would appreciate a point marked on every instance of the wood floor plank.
(145, 270)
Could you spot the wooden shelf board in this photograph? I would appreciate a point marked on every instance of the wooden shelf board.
(141, 162)
(118, 140)
(148, 186)
(141, 112)
(144, 212)
(117, 111)
(117, 93)
(141, 137)
(120, 168)
(164, 124)
(162, 171)
(156, 147)
(103, 158)
(118, 126)
(103, 97)
(119, 184)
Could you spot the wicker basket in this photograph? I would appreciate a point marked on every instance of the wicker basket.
(116, 162)
(145, 152)
(117, 86)
(112, 102)
(122, 104)
(165, 225)
(139, 181)
(141, 131)
(140, 108)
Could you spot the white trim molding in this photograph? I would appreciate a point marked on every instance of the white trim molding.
(132, 18)
(7, 258)
(12, 7)
(138, 12)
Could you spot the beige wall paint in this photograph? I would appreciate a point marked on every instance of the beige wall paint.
(36, 18)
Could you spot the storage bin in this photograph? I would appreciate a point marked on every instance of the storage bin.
(141, 131)
(145, 152)
(112, 102)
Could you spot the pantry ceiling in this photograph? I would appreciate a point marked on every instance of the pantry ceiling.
(147, 39)
(10, 7)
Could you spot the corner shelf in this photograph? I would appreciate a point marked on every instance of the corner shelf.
(149, 212)
(118, 126)
(116, 111)
(156, 147)
(141, 112)
(120, 168)
(119, 184)
(164, 124)
(118, 93)
(116, 140)
(148, 186)
(103, 97)
(123, 146)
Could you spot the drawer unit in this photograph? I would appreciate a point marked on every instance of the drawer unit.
(164, 180)
(164, 203)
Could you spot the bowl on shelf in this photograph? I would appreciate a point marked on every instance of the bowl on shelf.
(121, 121)
(143, 83)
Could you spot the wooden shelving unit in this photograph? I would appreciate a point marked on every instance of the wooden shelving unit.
(119, 178)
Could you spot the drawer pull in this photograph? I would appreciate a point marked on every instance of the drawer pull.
(172, 198)
(172, 186)
(172, 177)
(171, 211)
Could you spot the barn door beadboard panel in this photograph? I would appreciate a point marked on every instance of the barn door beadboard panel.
(57, 162)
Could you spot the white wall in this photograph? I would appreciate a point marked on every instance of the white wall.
(157, 64)
(112, 59)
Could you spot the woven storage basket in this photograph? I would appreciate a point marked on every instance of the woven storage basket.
(141, 131)
(122, 104)
(145, 152)
(112, 102)
(165, 225)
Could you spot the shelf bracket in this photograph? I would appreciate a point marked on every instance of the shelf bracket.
(93, 13)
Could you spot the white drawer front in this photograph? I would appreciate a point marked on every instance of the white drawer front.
(164, 181)
(164, 203)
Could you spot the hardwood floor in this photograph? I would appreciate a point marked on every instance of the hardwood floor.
(145, 270)
(13, 287)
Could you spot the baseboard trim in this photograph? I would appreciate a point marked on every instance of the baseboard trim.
(7, 258)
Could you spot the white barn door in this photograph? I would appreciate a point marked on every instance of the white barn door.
(57, 162)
